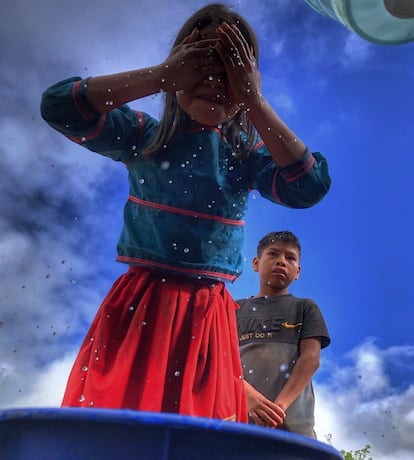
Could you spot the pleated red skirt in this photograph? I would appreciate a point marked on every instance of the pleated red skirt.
(162, 343)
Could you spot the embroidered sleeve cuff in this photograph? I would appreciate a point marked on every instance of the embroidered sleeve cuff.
(298, 169)
(80, 99)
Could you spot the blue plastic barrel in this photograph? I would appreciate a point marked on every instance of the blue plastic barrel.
(106, 434)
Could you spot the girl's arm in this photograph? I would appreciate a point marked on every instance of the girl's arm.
(245, 85)
(188, 63)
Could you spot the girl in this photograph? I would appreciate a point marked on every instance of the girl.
(165, 337)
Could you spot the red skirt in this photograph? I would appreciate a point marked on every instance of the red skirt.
(162, 343)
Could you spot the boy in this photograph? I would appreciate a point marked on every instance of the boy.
(280, 339)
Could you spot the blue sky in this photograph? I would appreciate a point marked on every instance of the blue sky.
(61, 206)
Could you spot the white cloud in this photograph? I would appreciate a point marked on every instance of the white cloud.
(356, 50)
(45, 388)
(278, 47)
(359, 406)
(284, 103)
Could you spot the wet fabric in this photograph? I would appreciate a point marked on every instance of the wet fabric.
(162, 343)
(186, 203)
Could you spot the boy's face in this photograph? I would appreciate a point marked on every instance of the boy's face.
(278, 266)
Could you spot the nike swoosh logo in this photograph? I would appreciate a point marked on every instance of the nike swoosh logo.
(286, 325)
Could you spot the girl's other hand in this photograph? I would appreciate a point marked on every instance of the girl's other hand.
(243, 76)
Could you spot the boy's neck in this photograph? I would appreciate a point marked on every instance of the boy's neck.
(272, 293)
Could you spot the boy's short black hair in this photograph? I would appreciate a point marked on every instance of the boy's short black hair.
(284, 236)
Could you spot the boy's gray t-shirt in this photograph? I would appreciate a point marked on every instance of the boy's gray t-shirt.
(270, 330)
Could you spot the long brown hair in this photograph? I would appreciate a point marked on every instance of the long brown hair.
(175, 119)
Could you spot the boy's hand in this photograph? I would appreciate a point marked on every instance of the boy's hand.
(263, 411)
(190, 62)
(243, 76)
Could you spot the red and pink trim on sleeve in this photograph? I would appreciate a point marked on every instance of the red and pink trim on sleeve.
(292, 175)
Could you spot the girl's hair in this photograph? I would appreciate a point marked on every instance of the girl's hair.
(175, 119)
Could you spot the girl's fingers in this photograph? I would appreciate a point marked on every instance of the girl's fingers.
(233, 41)
(238, 36)
(192, 37)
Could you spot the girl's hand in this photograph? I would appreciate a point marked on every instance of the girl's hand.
(243, 76)
(190, 62)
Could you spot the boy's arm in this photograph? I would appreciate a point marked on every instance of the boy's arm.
(263, 411)
(305, 367)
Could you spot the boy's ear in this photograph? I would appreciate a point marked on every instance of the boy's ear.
(255, 264)
(297, 274)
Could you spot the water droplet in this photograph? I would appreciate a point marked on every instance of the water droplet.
(141, 181)
(177, 373)
(283, 367)
(186, 250)
(85, 368)
(81, 398)
(251, 371)
(165, 165)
